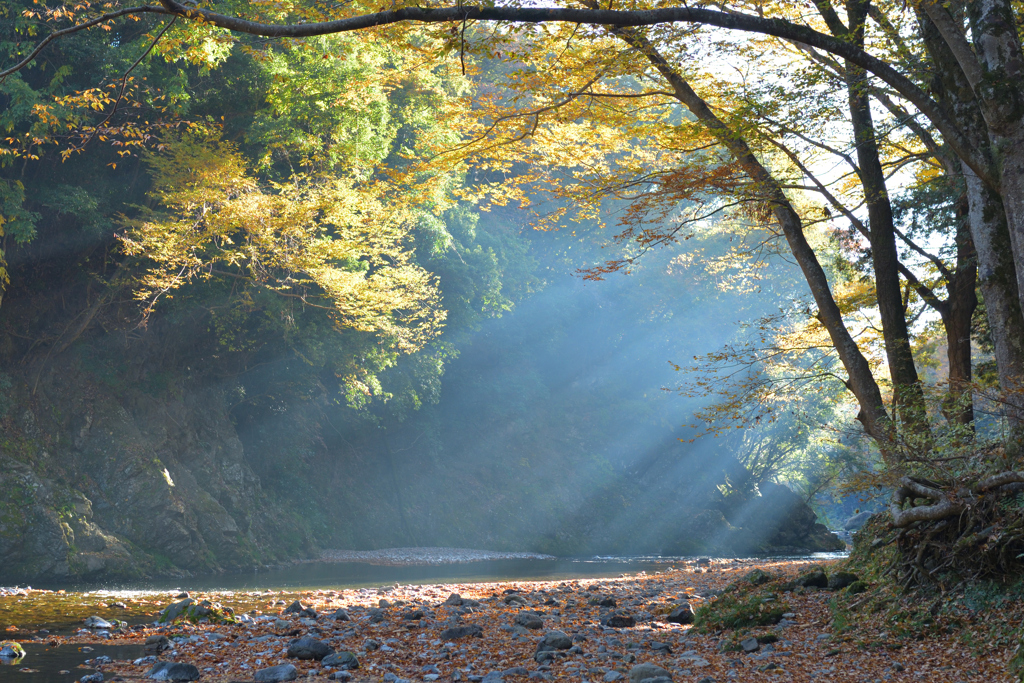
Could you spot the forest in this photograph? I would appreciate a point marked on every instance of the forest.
(280, 277)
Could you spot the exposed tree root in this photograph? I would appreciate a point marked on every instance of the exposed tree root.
(949, 534)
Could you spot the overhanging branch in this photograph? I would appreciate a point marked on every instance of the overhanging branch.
(599, 17)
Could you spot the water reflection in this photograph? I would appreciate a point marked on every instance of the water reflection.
(45, 664)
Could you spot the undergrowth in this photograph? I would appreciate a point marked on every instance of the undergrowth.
(738, 609)
(985, 615)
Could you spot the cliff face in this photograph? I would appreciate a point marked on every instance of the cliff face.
(100, 480)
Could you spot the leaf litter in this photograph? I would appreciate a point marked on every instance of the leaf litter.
(395, 633)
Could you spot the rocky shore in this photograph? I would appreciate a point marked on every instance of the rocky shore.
(607, 630)
(594, 631)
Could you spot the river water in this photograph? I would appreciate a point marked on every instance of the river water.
(338, 575)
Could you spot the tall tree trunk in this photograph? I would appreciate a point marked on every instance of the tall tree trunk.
(1001, 92)
(907, 392)
(961, 302)
(997, 275)
(860, 381)
(998, 284)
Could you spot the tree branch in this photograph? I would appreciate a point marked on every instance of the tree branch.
(601, 17)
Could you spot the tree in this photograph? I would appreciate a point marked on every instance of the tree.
(974, 107)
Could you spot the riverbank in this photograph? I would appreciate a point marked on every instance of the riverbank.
(395, 632)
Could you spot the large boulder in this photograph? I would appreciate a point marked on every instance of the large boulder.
(779, 520)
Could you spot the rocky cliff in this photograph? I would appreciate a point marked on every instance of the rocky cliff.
(106, 479)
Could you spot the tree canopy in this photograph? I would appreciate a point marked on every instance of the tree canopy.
(882, 144)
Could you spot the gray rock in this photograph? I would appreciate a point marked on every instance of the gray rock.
(341, 615)
(758, 577)
(841, 580)
(857, 521)
(413, 615)
(175, 610)
(370, 645)
(92, 678)
(612, 676)
(683, 614)
(619, 620)
(341, 660)
(696, 660)
(97, 622)
(309, 648)
(454, 600)
(750, 645)
(492, 677)
(642, 672)
(339, 676)
(529, 620)
(469, 630)
(173, 671)
(554, 640)
(11, 652)
(294, 608)
(157, 643)
(274, 674)
(657, 679)
(376, 615)
(516, 671)
(815, 578)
